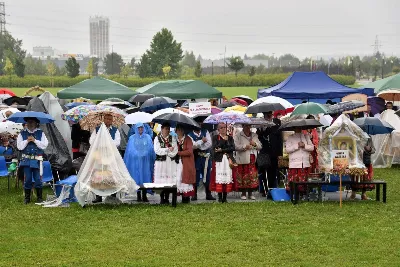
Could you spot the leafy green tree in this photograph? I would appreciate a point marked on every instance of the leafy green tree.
(252, 71)
(260, 69)
(126, 70)
(113, 63)
(34, 66)
(89, 68)
(164, 51)
(198, 70)
(72, 67)
(166, 70)
(189, 60)
(396, 69)
(143, 67)
(9, 68)
(235, 64)
(12, 48)
(51, 71)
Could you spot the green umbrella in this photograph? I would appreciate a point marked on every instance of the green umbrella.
(309, 108)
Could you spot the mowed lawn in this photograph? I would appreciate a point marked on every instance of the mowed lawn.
(362, 233)
(229, 92)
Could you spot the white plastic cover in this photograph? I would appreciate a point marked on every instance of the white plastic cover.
(387, 145)
(103, 171)
(343, 126)
(55, 110)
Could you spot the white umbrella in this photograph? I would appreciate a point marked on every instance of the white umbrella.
(326, 120)
(4, 111)
(168, 110)
(4, 97)
(137, 117)
(10, 127)
(273, 99)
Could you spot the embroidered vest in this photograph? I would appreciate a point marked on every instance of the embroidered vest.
(31, 149)
(112, 130)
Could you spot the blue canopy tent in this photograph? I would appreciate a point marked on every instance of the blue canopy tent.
(311, 86)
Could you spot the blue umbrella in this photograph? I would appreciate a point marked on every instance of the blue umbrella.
(373, 126)
(19, 117)
(76, 104)
(157, 103)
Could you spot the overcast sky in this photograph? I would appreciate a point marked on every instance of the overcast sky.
(302, 27)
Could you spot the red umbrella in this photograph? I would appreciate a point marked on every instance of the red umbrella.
(6, 91)
(240, 101)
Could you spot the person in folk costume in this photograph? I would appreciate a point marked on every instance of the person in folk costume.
(313, 135)
(7, 150)
(202, 150)
(186, 172)
(299, 147)
(369, 149)
(32, 142)
(247, 146)
(222, 176)
(165, 166)
(139, 159)
(115, 135)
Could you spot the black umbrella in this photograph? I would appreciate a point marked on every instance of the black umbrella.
(228, 104)
(16, 99)
(303, 124)
(140, 98)
(344, 106)
(177, 118)
(264, 107)
(131, 110)
(258, 123)
(157, 103)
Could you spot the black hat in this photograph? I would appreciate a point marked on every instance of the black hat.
(32, 118)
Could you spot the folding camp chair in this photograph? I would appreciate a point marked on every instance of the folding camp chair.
(4, 170)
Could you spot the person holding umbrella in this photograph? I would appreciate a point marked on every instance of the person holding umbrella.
(165, 166)
(32, 142)
(299, 147)
(222, 176)
(201, 148)
(186, 176)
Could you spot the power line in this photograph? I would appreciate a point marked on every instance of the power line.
(202, 33)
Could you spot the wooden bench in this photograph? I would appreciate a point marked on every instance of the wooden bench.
(294, 193)
(166, 189)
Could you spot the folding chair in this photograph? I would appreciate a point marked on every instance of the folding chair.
(4, 170)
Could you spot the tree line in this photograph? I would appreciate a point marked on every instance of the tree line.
(165, 58)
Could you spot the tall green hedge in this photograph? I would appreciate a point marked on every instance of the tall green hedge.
(263, 80)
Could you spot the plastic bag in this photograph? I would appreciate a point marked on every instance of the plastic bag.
(103, 171)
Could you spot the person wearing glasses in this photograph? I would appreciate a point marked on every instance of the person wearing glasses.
(222, 176)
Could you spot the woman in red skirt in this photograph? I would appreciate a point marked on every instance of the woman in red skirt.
(299, 147)
(222, 175)
(247, 145)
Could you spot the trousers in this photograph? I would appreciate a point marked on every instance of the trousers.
(32, 174)
(200, 163)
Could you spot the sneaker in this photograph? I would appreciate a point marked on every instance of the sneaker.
(243, 198)
(253, 198)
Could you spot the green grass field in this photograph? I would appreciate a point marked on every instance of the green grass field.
(227, 91)
(233, 234)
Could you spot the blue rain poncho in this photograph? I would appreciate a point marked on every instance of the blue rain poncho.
(147, 129)
(140, 156)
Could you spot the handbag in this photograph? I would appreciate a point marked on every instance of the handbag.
(263, 161)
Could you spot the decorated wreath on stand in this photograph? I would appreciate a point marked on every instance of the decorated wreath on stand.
(35, 88)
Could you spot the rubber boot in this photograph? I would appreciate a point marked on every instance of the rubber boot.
(220, 197)
(27, 196)
(224, 197)
(39, 192)
(208, 194)
(139, 196)
(162, 197)
(166, 200)
(144, 196)
(194, 198)
(98, 199)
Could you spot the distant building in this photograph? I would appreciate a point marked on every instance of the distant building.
(99, 36)
(42, 51)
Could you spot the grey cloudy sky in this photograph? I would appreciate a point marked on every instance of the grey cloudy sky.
(302, 27)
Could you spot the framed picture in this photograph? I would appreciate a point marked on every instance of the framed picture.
(345, 143)
(340, 159)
